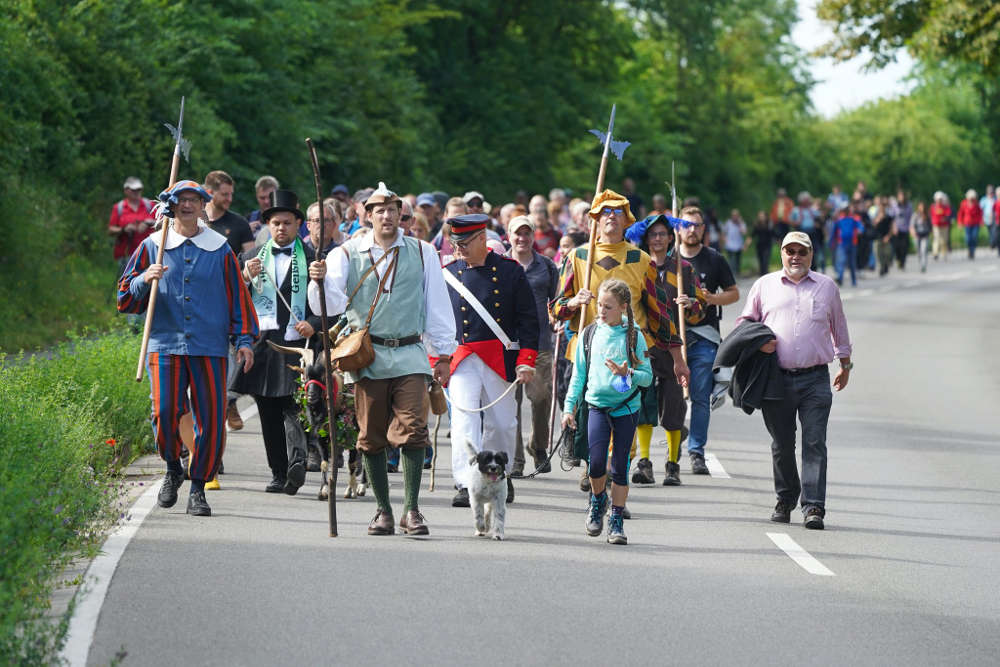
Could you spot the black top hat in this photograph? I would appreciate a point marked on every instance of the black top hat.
(463, 226)
(282, 200)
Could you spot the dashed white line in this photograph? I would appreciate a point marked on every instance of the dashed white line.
(98, 578)
(803, 558)
(714, 467)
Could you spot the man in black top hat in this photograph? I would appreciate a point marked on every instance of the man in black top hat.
(496, 324)
(277, 273)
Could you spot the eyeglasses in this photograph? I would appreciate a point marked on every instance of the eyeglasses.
(607, 210)
(688, 224)
(659, 235)
(465, 244)
(188, 200)
(792, 252)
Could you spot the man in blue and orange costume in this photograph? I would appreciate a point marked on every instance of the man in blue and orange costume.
(496, 323)
(202, 302)
(615, 257)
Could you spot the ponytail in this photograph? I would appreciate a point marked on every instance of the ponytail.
(631, 337)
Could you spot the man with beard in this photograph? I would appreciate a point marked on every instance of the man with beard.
(277, 272)
(390, 394)
(804, 311)
(717, 280)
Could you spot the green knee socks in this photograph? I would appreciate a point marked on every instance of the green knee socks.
(413, 467)
(378, 477)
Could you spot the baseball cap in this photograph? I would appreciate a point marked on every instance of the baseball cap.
(426, 199)
(472, 194)
(797, 237)
(132, 183)
(518, 222)
(340, 188)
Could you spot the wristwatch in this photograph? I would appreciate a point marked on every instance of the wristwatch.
(848, 366)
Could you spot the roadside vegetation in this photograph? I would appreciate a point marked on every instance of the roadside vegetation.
(68, 425)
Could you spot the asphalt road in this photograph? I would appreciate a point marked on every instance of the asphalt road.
(912, 539)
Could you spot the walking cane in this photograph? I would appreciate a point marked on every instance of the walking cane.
(180, 145)
(681, 325)
(552, 406)
(328, 371)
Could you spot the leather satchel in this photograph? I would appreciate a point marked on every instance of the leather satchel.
(354, 351)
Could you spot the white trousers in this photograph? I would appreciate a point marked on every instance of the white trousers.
(472, 385)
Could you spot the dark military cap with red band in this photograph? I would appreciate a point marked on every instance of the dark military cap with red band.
(464, 226)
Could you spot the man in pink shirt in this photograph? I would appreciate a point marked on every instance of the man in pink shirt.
(804, 311)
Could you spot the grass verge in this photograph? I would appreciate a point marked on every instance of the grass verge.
(67, 427)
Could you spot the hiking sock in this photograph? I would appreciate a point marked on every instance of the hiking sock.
(378, 477)
(413, 468)
(617, 510)
(644, 434)
(175, 467)
(674, 446)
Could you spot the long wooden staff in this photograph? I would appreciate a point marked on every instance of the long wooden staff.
(681, 325)
(592, 246)
(162, 219)
(327, 369)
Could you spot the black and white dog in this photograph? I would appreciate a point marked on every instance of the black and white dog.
(487, 486)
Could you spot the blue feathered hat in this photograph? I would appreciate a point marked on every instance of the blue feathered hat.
(169, 196)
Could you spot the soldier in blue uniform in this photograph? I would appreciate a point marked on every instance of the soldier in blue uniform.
(496, 325)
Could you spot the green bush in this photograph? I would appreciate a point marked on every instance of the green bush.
(67, 426)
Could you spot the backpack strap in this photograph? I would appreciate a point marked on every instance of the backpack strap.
(587, 338)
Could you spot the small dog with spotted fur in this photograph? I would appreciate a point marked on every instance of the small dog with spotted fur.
(487, 484)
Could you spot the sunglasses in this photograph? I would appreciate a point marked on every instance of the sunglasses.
(791, 252)
(406, 218)
(687, 224)
(659, 235)
(607, 210)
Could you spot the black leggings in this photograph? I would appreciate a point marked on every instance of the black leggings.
(601, 427)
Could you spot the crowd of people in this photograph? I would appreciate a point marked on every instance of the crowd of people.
(498, 303)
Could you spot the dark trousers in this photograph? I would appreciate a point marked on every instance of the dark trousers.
(284, 438)
(764, 257)
(601, 428)
(809, 397)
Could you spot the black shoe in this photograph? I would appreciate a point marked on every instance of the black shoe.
(518, 471)
(277, 485)
(813, 519)
(510, 491)
(698, 466)
(673, 477)
(782, 512)
(197, 506)
(168, 492)
(461, 498)
(313, 460)
(643, 472)
(542, 465)
(296, 477)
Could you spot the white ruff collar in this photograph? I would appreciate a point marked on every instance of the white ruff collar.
(206, 239)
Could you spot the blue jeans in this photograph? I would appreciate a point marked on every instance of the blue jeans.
(701, 356)
(972, 239)
(847, 256)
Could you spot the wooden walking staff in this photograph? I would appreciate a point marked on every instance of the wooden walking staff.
(618, 148)
(327, 368)
(681, 326)
(180, 145)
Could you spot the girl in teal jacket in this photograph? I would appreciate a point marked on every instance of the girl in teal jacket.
(610, 385)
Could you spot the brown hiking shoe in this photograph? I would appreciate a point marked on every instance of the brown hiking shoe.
(412, 523)
(382, 524)
(233, 417)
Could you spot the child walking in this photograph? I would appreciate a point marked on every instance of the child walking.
(610, 386)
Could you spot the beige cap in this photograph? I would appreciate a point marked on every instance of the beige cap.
(518, 222)
(797, 237)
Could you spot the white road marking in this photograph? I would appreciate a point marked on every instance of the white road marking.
(804, 559)
(865, 292)
(714, 467)
(246, 415)
(90, 597)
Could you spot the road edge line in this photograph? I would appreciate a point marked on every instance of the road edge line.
(93, 590)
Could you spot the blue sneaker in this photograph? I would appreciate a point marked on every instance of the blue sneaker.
(595, 517)
(616, 529)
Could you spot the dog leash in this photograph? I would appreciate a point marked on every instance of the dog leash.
(485, 407)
